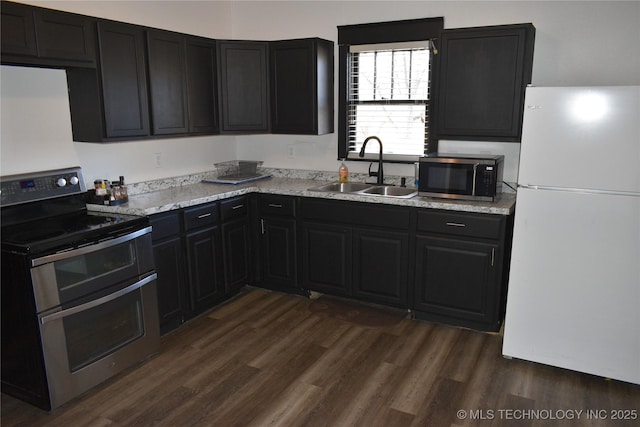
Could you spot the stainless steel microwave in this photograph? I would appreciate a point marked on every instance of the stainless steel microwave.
(461, 176)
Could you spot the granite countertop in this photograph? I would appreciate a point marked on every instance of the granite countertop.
(190, 194)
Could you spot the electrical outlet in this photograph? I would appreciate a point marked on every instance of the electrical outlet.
(157, 157)
(290, 151)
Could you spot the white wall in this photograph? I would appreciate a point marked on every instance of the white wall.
(35, 131)
(577, 43)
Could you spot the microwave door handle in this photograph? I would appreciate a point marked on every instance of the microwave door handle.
(475, 174)
(105, 299)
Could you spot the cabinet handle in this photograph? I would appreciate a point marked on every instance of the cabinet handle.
(237, 207)
(456, 224)
(493, 256)
(204, 215)
(262, 225)
(275, 205)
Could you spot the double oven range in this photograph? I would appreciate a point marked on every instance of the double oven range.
(79, 300)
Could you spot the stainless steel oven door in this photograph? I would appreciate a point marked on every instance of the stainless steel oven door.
(86, 344)
(63, 278)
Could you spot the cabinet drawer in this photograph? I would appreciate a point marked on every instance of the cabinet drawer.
(277, 205)
(461, 224)
(234, 208)
(164, 225)
(200, 216)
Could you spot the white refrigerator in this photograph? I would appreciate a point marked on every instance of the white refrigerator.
(574, 287)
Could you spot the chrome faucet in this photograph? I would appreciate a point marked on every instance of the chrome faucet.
(380, 173)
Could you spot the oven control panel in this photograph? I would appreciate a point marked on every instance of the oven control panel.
(36, 186)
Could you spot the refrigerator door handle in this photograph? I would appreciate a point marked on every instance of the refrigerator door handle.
(579, 190)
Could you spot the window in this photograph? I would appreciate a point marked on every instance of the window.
(384, 87)
(388, 97)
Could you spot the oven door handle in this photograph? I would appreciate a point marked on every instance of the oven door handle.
(90, 248)
(103, 300)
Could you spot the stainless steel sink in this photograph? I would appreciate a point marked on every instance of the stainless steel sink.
(367, 189)
(337, 187)
(389, 191)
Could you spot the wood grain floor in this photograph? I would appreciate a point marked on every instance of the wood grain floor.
(267, 358)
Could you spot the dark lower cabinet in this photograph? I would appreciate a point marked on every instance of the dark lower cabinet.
(236, 240)
(380, 267)
(168, 252)
(206, 275)
(461, 268)
(447, 266)
(456, 280)
(277, 243)
(326, 258)
(357, 250)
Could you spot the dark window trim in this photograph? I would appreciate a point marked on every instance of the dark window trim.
(373, 33)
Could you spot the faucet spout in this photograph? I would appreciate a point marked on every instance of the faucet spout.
(379, 174)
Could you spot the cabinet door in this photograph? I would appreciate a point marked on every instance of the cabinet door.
(204, 254)
(18, 30)
(65, 35)
(301, 73)
(482, 79)
(201, 86)
(167, 82)
(236, 254)
(457, 280)
(124, 83)
(326, 258)
(279, 252)
(168, 256)
(243, 86)
(380, 266)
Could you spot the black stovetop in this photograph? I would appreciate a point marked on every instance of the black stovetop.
(66, 231)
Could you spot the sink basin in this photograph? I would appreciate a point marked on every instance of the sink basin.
(367, 189)
(337, 187)
(389, 191)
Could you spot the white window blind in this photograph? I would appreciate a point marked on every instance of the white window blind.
(388, 96)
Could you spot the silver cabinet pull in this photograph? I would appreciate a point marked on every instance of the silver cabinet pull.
(456, 224)
(493, 256)
(237, 207)
(204, 215)
(275, 205)
(262, 225)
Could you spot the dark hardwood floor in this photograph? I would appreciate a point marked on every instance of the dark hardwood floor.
(267, 358)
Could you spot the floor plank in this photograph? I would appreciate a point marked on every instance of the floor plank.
(271, 359)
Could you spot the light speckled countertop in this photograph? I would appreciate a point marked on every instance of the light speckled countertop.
(190, 194)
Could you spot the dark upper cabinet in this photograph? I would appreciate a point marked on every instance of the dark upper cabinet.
(201, 85)
(110, 103)
(18, 30)
(44, 37)
(244, 86)
(482, 75)
(301, 77)
(167, 82)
